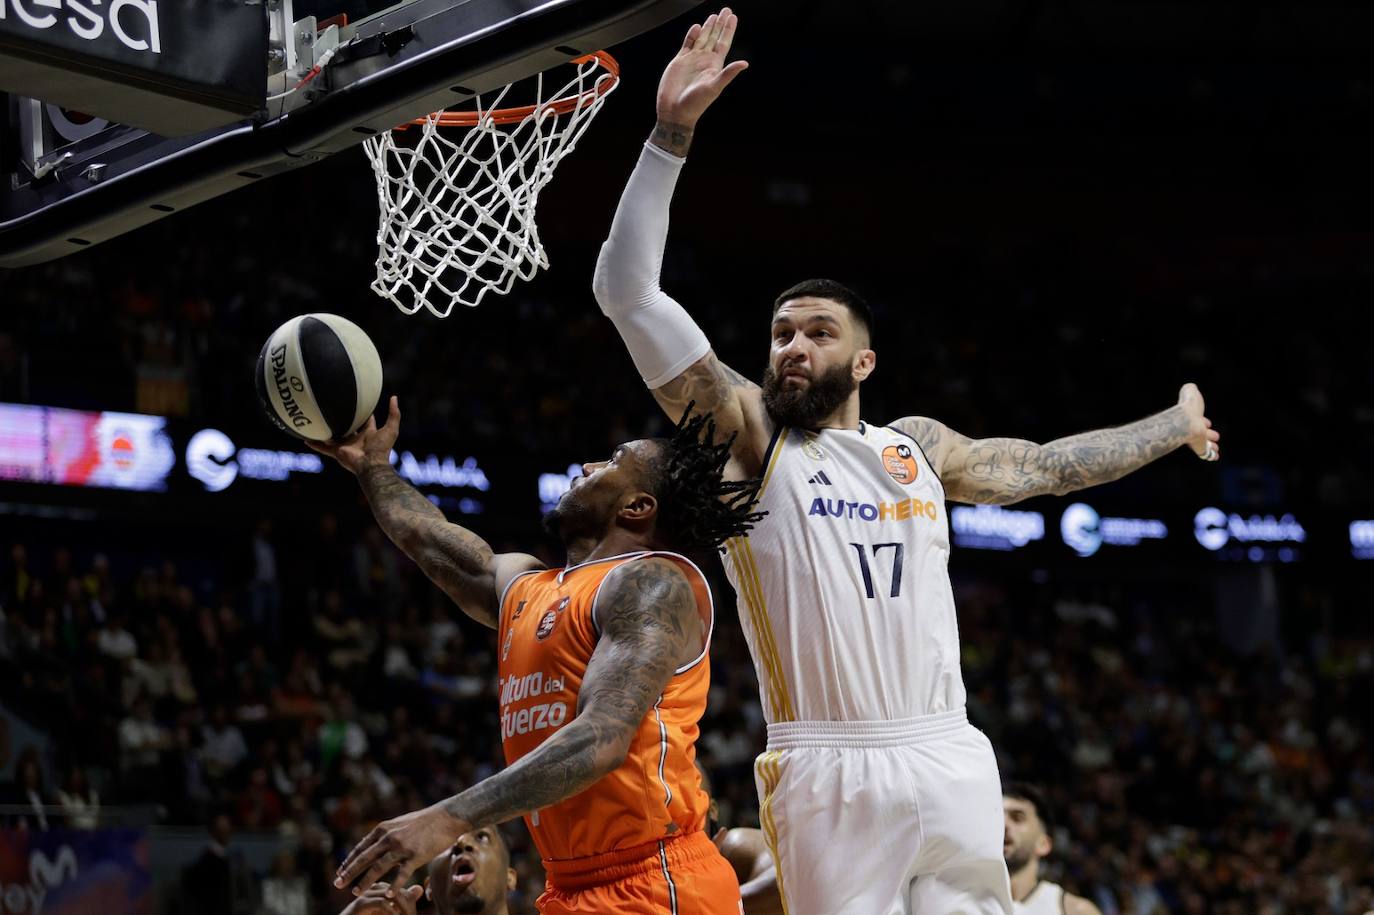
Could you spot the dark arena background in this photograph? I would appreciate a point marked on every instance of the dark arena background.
(1060, 211)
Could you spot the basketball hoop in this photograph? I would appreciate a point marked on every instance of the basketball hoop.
(457, 213)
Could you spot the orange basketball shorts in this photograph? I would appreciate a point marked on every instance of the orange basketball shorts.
(684, 875)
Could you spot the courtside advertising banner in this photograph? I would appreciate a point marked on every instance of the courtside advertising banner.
(75, 872)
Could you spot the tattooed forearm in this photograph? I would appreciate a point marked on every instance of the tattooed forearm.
(456, 560)
(1000, 471)
(649, 627)
(711, 384)
(675, 139)
(566, 764)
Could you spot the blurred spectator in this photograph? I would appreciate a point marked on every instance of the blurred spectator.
(264, 588)
(219, 882)
(23, 801)
(114, 640)
(340, 735)
(141, 743)
(259, 806)
(344, 640)
(284, 891)
(80, 802)
(222, 745)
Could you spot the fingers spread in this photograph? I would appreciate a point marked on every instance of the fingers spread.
(382, 867)
(360, 858)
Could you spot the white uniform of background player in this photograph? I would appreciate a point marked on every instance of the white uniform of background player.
(1026, 843)
(877, 796)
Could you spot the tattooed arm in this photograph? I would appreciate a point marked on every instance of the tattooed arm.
(454, 558)
(649, 627)
(1000, 471)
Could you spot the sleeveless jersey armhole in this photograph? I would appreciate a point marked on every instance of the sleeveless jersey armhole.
(710, 605)
(929, 465)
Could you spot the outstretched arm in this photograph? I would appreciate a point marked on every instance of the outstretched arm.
(650, 626)
(1000, 471)
(454, 558)
(670, 351)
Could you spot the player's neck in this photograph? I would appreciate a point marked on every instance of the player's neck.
(616, 543)
(1024, 880)
(845, 417)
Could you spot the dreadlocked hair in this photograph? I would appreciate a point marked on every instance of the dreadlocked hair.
(698, 508)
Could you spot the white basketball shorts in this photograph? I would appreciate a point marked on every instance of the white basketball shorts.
(884, 817)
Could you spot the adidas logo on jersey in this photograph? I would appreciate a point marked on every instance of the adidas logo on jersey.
(820, 479)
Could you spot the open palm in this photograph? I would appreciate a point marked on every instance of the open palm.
(698, 74)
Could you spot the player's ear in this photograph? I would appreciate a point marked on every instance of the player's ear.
(510, 880)
(640, 507)
(1044, 845)
(865, 361)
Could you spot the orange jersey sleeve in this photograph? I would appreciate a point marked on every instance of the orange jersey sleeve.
(548, 631)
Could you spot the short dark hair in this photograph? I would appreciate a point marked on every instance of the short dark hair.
(837, 292)
(1021, 791)
(698, 507)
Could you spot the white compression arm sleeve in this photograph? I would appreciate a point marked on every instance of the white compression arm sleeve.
(662, 338)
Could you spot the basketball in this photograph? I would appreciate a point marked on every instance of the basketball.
(319, 377)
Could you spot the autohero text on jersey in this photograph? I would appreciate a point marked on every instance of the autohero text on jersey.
(904, 510)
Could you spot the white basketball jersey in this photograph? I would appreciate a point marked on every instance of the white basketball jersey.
(1046, 899)
(843, 587)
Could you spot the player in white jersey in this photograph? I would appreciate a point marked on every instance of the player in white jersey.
(1027, 841)
(877, 796)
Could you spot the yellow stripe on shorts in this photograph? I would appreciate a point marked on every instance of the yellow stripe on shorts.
(770, 773)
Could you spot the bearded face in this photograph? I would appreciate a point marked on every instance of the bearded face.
(797, 398)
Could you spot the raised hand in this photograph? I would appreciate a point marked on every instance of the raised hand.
(370, 446)
(408, 842)
(698, 74)
(1202, 438)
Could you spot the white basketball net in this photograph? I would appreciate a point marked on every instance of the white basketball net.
(457, 218)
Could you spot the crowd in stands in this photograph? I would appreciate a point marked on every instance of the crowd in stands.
(1189, 777)
(306, 686)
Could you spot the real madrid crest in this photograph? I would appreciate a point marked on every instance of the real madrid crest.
(811, 448)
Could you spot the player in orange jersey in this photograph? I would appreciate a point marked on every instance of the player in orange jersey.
(603, 675)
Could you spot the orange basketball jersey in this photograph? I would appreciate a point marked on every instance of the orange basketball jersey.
(547, 635)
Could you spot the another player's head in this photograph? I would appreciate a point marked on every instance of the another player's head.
(474, 876)
(667, 492)
(1027, 827)
(821, 338)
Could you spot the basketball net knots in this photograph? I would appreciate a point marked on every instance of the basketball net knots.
(457, 219)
